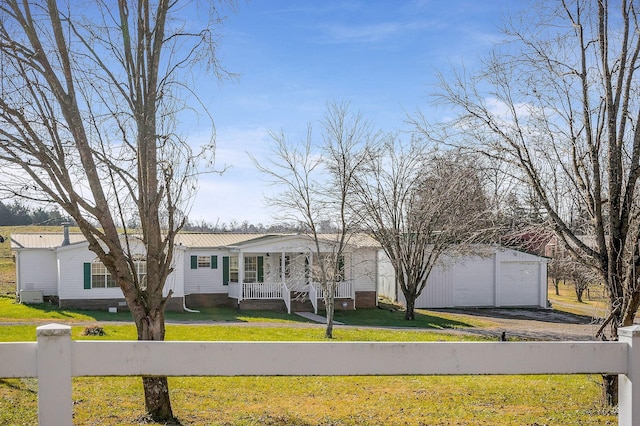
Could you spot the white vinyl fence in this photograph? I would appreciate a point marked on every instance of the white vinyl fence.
(55, 359)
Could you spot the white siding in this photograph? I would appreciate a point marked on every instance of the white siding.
(386, 277)
(37, 270)
(362, 266)
(438, 293)
(175, 280)
(71, 262)
(203, 280)
(505, 278)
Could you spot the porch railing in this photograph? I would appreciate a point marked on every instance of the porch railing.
(286, 296)
(313, 296)
(234, 291)
(343, 290)
(268, 290)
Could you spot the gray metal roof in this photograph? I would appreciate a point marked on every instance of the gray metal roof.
(208, 240)
(192, 240)
(43, 240)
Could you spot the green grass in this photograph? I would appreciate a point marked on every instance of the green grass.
(398, 400)
(567, 301)
(410, 400)
(395, 318)
(11, 311)
(27, 332)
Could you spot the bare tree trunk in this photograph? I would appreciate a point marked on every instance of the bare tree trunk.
(150, 326)
(610, 389)
(330, 306)
(410, 313)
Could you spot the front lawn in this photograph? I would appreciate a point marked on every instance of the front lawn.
(392, 400)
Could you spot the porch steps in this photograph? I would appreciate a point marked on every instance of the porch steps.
(314, 317)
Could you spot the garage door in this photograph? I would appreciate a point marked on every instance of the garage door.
(519, 284)
(473, 282)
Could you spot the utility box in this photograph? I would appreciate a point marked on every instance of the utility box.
(31, 296)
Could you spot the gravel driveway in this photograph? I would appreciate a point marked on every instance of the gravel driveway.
(530, 324)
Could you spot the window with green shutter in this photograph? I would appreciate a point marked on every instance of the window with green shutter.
(87, 276)
(260, 269)
(225, 270)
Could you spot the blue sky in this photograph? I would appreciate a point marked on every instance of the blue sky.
(295, 56)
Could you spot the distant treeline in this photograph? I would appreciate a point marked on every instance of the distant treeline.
(246, 227)
(17, 214)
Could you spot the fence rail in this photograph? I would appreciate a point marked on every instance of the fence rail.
(55, 359)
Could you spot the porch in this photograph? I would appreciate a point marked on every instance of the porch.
(271, 290)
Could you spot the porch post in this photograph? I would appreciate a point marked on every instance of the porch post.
(352, 280)
(282, 271)
(241, 273)
(310, 267)
(628, 397)
(55, 403)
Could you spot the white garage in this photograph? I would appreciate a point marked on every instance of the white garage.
(500, 277)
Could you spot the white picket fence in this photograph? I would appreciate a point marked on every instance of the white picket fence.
(55, 359)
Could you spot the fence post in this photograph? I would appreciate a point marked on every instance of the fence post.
(628, 400)
(55, 404)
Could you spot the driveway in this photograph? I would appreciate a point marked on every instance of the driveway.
(531, 324)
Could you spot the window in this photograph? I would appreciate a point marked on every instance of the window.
(204, 262)
(96, 274)
(331, 265)
(287, 267)
(140, 264)
(100, 277)
(250, 269)
(233, 269)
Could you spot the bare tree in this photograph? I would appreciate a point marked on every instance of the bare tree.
(558, 102)
(557, 271)
(89, 103)
(418, 205)
(317, 186)
(582, 277)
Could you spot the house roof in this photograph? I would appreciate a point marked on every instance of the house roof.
(186, 239)
(354, 240)
(48, 240)
(209, 240)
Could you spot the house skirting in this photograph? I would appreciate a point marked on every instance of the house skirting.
(366, 299)
(174, 304)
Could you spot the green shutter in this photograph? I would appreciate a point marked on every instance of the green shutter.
(194, 262)
(225, 270)
(87, 276)
(260, 269)
(214, 262)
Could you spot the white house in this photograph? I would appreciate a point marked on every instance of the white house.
(244, 270)
(500, 277)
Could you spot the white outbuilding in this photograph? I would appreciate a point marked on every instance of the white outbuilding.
(499, 277)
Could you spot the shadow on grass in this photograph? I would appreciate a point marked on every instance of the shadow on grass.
(14, 384)
(374, 317)
(395, 318)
